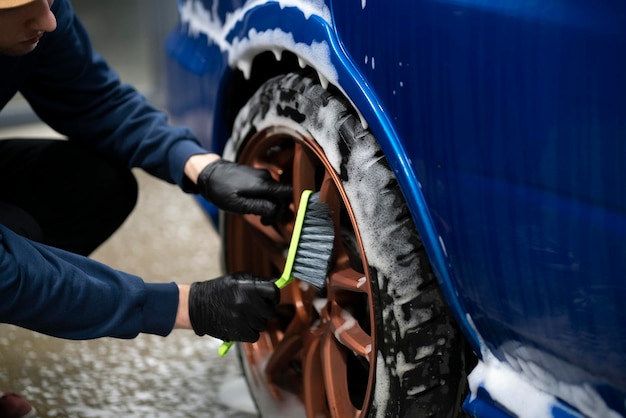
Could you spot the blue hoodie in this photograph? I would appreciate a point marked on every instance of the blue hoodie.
(73, 90)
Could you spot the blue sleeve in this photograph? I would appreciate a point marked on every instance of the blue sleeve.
(73, 90)
(69, 296)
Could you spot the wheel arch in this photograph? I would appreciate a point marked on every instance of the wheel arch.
(250, 64)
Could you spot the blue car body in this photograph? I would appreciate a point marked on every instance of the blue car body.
(505, 124)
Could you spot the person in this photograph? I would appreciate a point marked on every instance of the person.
(60, 199)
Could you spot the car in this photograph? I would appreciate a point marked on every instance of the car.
(472, 154)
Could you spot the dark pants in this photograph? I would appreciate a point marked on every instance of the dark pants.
(62, 194)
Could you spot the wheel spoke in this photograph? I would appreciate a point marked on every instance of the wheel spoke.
(283, 353)
(336, 379)
(266, 237)
(343, 278)
(349, 333)
(312, 376)
(268, 234)
(275, 155)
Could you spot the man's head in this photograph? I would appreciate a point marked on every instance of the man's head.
(8, 4)
(23, 23)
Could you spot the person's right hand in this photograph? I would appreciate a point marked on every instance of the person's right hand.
(234, 307)
(243, 189)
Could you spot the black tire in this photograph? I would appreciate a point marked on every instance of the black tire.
(419, 368)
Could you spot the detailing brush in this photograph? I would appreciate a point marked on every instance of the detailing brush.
(310, 249)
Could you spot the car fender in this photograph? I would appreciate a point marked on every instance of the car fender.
(304, 28)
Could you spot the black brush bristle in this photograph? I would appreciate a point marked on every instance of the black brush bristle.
(315, 247)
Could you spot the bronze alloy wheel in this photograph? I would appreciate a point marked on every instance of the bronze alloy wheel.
(378, 340)
(320, 346)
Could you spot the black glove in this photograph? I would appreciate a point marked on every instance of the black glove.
(242, 189)
(234, 307)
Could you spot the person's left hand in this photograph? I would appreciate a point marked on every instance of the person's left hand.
(242, 189)
(234, 307)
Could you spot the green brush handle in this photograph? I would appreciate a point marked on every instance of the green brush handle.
(286, 277)
(224, 348)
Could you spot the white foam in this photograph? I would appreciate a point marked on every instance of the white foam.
(241, 51)
(348, 324)
(527, 389)
(507, 388)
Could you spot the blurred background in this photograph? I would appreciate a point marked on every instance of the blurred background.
(166, 238)
(130, 34)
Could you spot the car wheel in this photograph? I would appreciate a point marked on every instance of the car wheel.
(378, 341)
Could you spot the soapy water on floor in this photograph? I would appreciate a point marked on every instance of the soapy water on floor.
(150, 376)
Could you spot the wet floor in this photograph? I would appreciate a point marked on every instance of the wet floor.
(166, 238)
